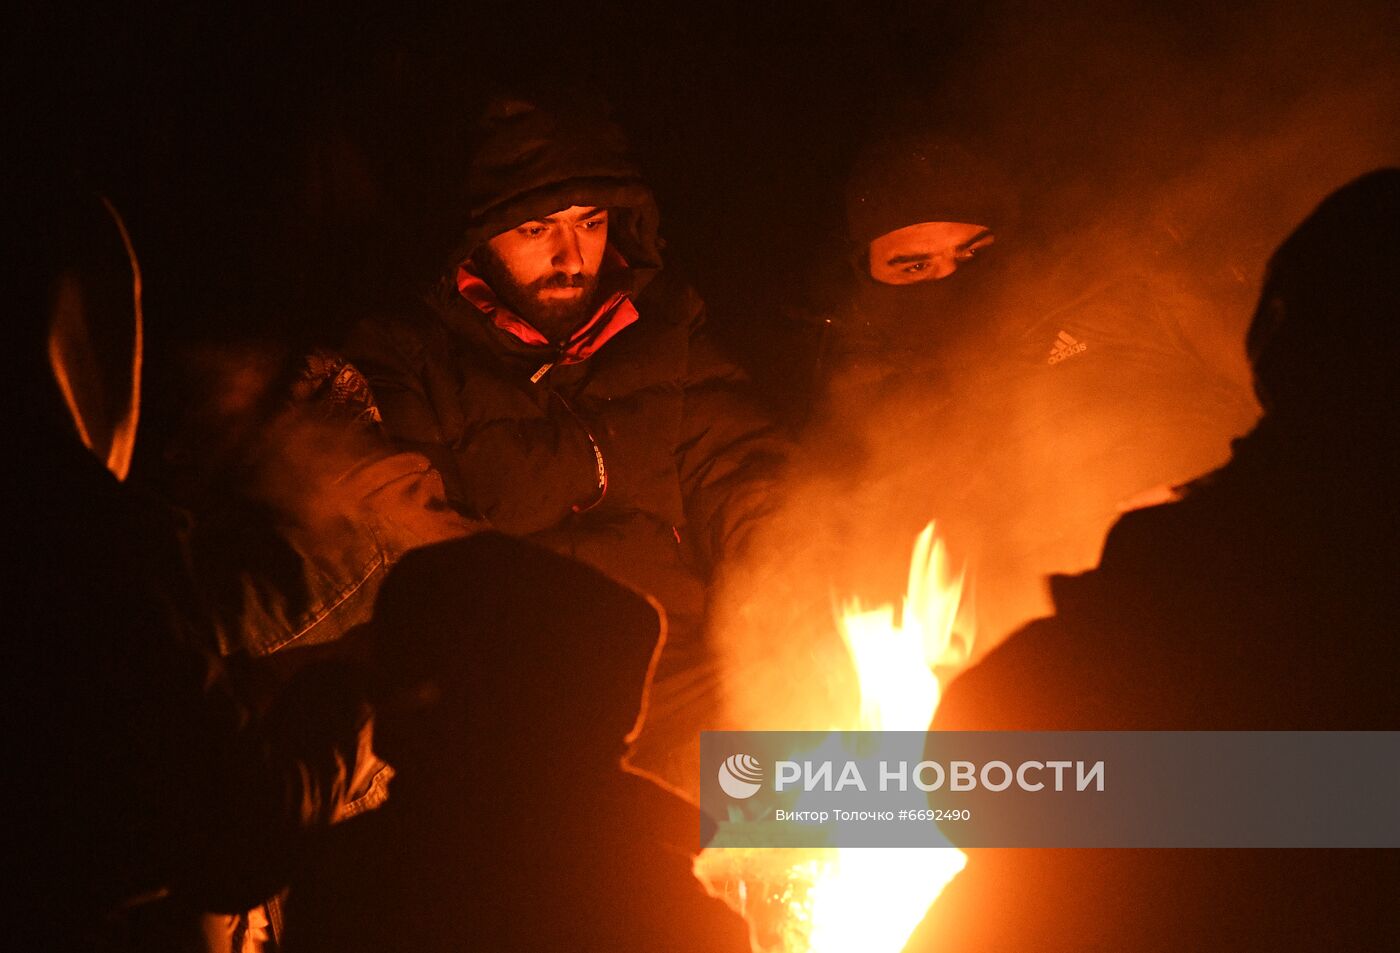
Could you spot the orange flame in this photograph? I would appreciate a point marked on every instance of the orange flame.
(846, 899)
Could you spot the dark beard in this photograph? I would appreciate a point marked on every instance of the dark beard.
(554, 319)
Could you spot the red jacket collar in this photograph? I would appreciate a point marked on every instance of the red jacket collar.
(613, 315)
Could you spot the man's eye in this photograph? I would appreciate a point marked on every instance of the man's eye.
(915, 268)
(532, 231)
(594, 223)
(967, 254)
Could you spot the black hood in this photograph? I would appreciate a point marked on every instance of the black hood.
(911, 178)
(77, 364)
(1323, 342)
(903, 179)
(536, 651)
(533, 157)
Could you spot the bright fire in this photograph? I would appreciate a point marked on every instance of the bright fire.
(841, 900)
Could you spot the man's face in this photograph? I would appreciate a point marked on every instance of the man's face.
(928, 251)
(547, 269)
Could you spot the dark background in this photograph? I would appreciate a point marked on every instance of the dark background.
(286, 168)
(234, 141)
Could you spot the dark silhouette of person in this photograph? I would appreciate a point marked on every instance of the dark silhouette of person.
(1264, 600)
(510, 679)
(149, 793)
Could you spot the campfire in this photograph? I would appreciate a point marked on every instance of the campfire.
(837, 900)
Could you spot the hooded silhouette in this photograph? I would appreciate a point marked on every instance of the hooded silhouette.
(1264, 600)
(512, 677)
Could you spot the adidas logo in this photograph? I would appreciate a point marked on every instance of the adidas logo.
(1066, 347)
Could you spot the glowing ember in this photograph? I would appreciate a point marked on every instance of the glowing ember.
(840, 900)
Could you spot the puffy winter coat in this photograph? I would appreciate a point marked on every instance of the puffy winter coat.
(686, 456)
(646, 458)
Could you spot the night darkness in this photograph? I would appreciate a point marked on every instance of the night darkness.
(286, 167)
(210, 125)
(288, 171)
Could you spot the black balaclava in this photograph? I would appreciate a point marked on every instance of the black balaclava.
(1323, 342)
(906, 180)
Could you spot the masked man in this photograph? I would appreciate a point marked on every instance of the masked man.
(564, 385)
(1020, 388)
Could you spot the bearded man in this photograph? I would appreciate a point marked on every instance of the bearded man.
(563, 383)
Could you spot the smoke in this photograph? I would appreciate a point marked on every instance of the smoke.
(1213, 129)
(1160, 155)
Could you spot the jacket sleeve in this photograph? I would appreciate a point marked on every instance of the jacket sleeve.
(520, 475)
(731, 451)
(323, 505)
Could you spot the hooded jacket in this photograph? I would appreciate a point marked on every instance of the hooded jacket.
(1022, 401)
(646, 458)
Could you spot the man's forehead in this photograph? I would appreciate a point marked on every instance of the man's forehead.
(923, 239)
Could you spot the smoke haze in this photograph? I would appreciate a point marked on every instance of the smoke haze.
(1166, 151)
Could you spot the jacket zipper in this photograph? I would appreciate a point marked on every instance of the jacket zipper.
(600, 466)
